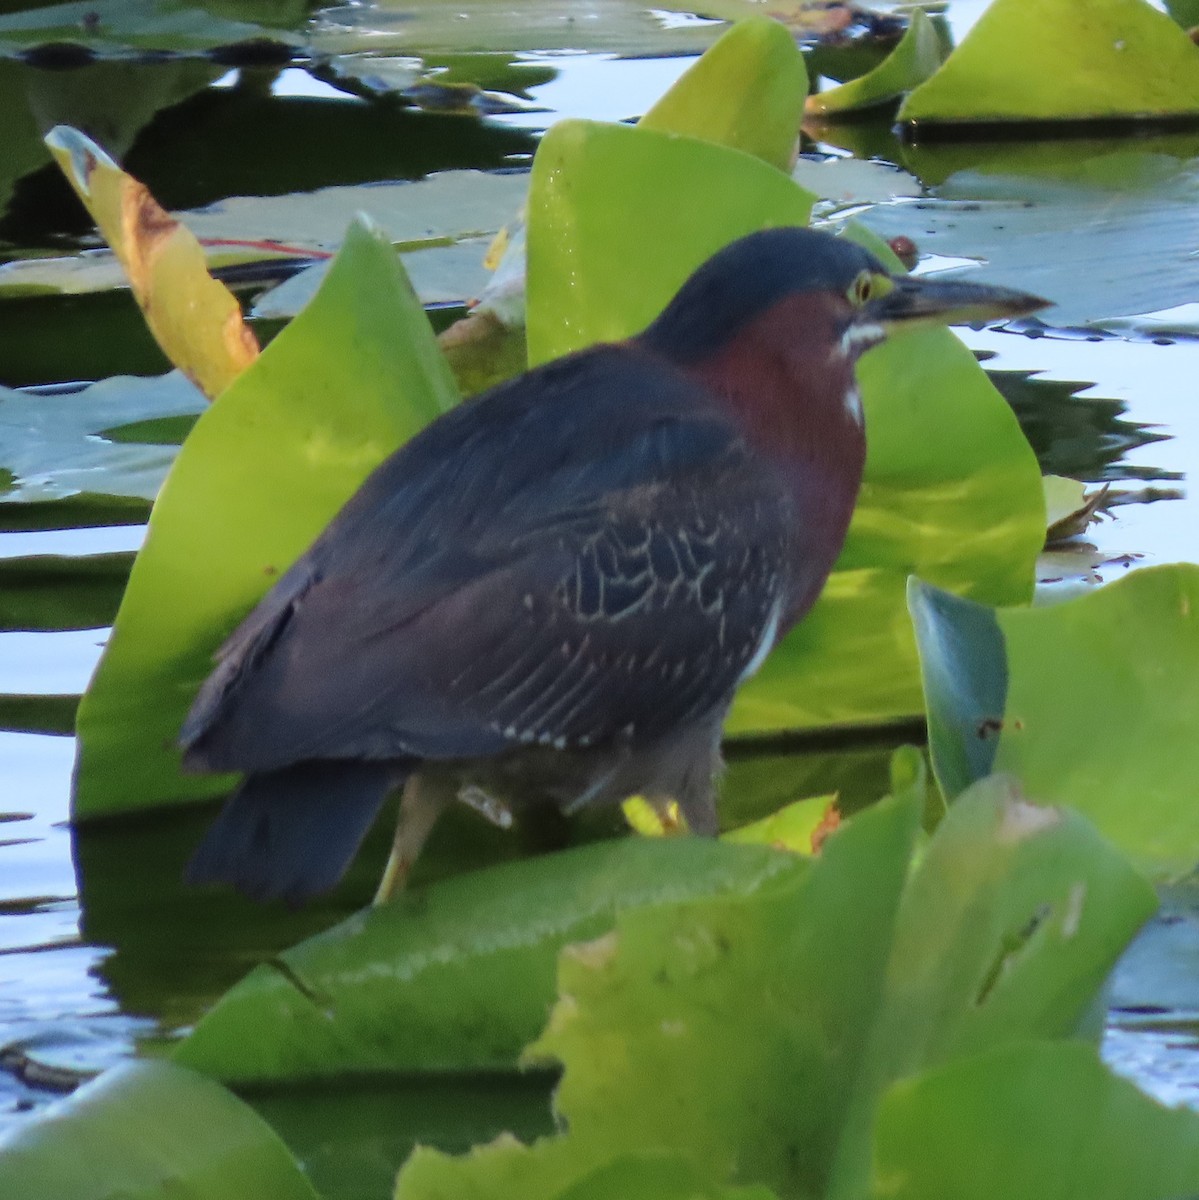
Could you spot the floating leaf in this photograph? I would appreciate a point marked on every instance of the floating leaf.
(195, 319)
(1059, 61)
(1013, 920)
(1069, 508)
(59, 592)
(356, 373)
(1100, 227)
(458, 976)
(659, 1059)
(115, 26)
(1032, 1120)
(860, 975)
(596, 193)
(65, 443)
(149, 1131)
(1098, 705)
(913, 61)
(655, 1177)
(760, 78)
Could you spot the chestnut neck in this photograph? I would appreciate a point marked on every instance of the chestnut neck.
(789, 382)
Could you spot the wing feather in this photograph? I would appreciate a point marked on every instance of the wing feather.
(515, 575)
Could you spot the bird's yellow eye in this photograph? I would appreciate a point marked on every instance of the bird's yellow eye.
(861, 289)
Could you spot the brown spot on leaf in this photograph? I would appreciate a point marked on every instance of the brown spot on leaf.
(989, 727)
(829, 823)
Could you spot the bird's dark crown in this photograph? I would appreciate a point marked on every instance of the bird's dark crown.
(748, 277)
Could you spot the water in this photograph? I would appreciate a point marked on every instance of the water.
(141, 957)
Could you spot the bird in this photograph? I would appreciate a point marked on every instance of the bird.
(551, 594)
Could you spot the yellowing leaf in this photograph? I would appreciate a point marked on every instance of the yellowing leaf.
(195, 319)
(800, 827)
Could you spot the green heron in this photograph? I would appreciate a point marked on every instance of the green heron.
(552, 592)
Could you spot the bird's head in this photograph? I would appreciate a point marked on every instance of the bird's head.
(804, 293)
(775, 322)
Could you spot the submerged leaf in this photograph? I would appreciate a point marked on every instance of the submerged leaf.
(62, 443)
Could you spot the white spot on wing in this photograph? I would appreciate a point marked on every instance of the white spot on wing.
(769, 636)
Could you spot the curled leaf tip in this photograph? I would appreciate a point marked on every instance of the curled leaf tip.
(77, 153)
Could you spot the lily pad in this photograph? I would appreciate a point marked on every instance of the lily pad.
(1097, 707)
(116, 26)
(195, 319)
(1004, 933)
(761, 80)
(1100, 228)
(458, 976)
(149, 1131)
(58, 592)
(651, 1010)
(597, 194)
(1054, 60)
(1008, 929)
(219, 534)
(67, 443)
(914, 60)
(1032, 1120)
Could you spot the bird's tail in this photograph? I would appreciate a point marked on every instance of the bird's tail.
(290, 834)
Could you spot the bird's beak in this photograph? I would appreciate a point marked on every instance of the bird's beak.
(918, 300)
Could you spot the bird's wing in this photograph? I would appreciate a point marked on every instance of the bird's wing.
(520, 575)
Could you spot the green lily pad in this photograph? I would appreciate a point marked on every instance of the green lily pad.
(59, 592)
(655, 1177)
(860, 976)
(458, 976)
(598, 193)
(1056, 60)
(1007, 931)
(760, 77)
(114, 26)
(1097, 709)
(914, 60)
(1101, 227)
(952, 490)
(656, 1009)
(61, 444)
(219, 533)
(1032, 1120)
(149, 1131)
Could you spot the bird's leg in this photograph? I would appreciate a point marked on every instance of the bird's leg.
(669, 814)
(419, 809)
